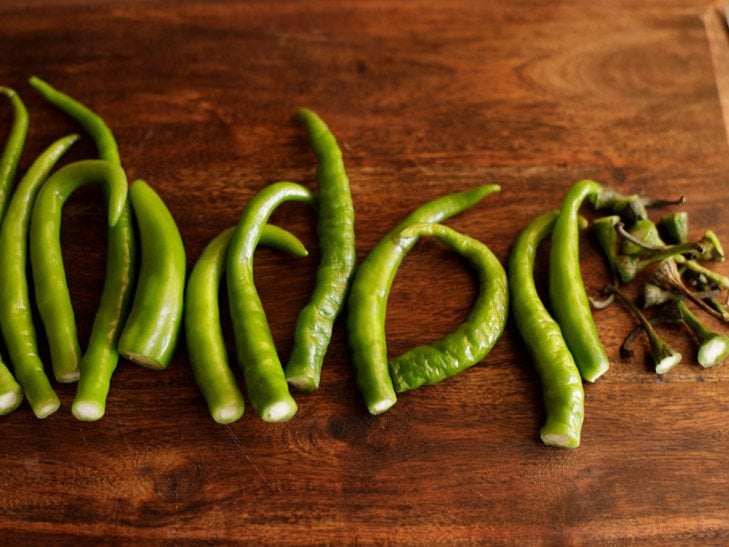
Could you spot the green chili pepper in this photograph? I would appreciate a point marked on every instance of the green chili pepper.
(16, 317)
(11, 394)
(255, 348)
(150, 333)
(713, 347)
(13, 148)
(370, 288)
(570, 305)
(89, 120)
(474, 338)
(564, 397)
(51, 290)
(338, 256)
(205, 344)
(101, 357)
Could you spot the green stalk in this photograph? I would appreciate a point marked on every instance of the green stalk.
(713, 347)
(664, 357)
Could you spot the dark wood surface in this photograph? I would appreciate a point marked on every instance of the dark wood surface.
(425, 98)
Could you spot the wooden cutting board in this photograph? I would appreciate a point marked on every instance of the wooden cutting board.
(425, 98)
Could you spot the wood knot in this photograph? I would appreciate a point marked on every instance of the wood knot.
(179, 483)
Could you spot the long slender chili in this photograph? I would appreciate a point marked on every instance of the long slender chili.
(367, 303)
(13, 148)
(49, 278)
(567, 294)
(121, 257)
(264, 376)
(150, 333)
(11, 394)
(473, 339)
(203, 332)
(16, 311)
(564, 397)
(338, 257)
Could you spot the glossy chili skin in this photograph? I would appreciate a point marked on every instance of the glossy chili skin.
(16, 310)
(13, 148)
(101, 356)
(475, 337)
(49, 278)
(562, 391)
(337, 251)
(203, 331)
(567, 295)
(152, 328)
(367, 302)
(11, 394)
(264, 376)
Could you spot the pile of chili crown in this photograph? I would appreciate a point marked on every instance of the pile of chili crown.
(563, 342)
(141, 308)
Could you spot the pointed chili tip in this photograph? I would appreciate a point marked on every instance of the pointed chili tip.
(38, 83)
(72, 138)
(118, 194)
(484, 190)
(307, 116)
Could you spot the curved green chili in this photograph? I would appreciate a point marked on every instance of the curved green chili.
(150, 333)
(203, 333)
(370, 288)
(567, 295)
(13, 148)
(92, 123)
(336, 244)
(564, 397)
(101, 357)
(264, 377)
(51, 290)
(11, 394)
(474, 338)
(16, 312)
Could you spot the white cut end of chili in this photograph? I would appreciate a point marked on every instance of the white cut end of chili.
(554, 439)
(69, 377)
(381, 406)
(668, 363)
(8, 401)
(46, 409)
(278, 412)
(143, 360)
(87, 411)
(227, 414)
(713, 352)
(303, 383)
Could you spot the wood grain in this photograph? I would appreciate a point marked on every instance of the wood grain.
(426, 98)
